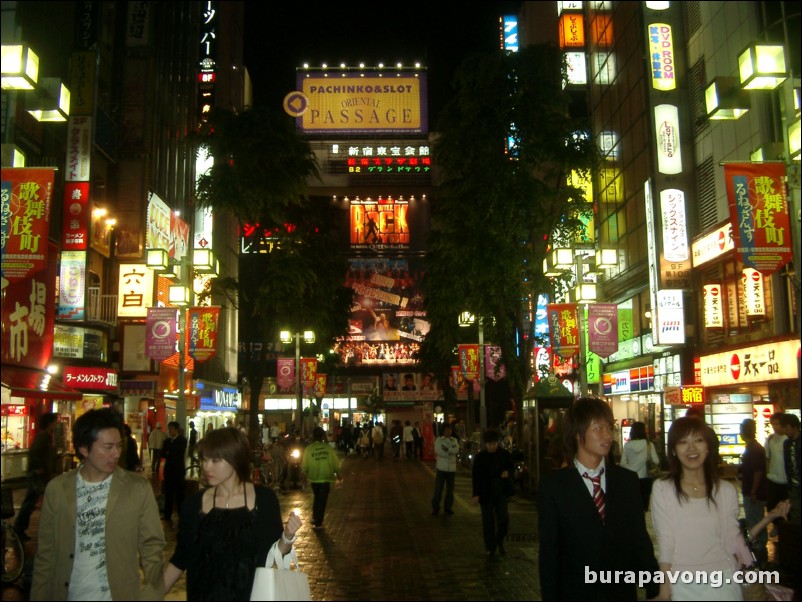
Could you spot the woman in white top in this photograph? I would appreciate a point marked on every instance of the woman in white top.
(638, 451)
(695, 517)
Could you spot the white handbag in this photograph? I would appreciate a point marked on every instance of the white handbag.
(277, 581)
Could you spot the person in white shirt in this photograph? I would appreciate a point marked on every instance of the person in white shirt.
(445, 449)
(409, 441)
(638, 451)
(778, 480)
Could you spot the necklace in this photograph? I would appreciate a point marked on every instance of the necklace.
(694, 488)
(232, 494)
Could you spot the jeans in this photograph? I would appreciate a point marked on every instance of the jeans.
(754, 512)
(447, 478)
(321, 492)
(495, 522)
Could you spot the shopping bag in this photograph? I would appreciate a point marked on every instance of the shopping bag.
(277, 581)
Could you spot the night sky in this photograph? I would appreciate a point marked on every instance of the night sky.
(438, 34)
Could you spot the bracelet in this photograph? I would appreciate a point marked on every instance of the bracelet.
(288, 541)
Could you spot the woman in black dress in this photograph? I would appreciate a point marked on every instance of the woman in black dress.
(227, 530)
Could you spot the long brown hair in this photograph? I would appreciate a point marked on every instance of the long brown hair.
(686, 427)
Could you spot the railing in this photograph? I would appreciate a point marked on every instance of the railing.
(101, 308)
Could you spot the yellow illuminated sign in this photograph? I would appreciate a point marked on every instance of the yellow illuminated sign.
(661, 52)
(363, 104)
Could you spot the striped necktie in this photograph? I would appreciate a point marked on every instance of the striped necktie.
(598, 493)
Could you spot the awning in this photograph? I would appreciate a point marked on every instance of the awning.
(28, 382)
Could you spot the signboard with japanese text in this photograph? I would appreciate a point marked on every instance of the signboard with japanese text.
(714, 308)
(684, 395)
(564, 329)
(77, 342)
(75, 221)
(79, 149)
(603, 328)
(754, 298)
(468, 360)
(675, 257)
(572, 30)
(667, 138)
(759, 213)
(202, 330)
(83, 377)
(670, 318)
(28, 316)
(159, 223)
(363, 103)
(161, 333)
(712, 245)
(320, 384)
(308, 366)
(771, 361)
(285, 373)
(82, 82)
(25, 218)
(135, 290)
(661, 52)
(72, 286)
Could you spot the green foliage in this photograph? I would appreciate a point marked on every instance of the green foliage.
(495, 214)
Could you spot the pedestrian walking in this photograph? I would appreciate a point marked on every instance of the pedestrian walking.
(192, 442)
(754, 486)
(99, 531)
(409, 441)
(155, 445)
(491, 467)
(378, 440)
(131, 449)
(322, 468)
(417, 438)
(446, 448)
(695, 515)
(227, 530)
(637, 454)
(778, 481)
(175, 446)
(396, 436)
(42, 466)
(591, 516)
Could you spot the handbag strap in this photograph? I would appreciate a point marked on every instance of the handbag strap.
(282, 562)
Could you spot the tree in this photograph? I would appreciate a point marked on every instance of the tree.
(260, 175)
(507, 145)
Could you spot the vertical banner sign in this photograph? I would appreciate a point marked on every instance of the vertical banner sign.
(308, 374)
(25, 218)
(72, 286)
(202, 328)
(661, 51)
(714, 312)
(603, 328)
(564, 329)
(469, 361)
(75, 222)
(28, 317)
(666, 129)
(458, 383)
(753, 292)
(759, 214)
(79, 149)
(161, 333)
(285, 372)
(320, 385)
(675, 258)
(494, 364)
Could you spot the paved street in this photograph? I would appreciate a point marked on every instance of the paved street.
(382, 543)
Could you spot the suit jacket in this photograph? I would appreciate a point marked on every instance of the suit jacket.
(572, 536)
(134, 537)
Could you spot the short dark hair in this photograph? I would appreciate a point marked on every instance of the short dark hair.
(791, 420)
(490, 436)
(777, 416)
(318, 434)
(88, 425)
(45, 420)
(174, 424)
(228, 444)
(748, 428)
(638, 431)
(578, 418)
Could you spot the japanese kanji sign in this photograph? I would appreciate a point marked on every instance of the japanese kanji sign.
(308, 374)
(563, 329)
(469, 361)
(25, 219)
(202, 328)
(160, 335)
(759, 213)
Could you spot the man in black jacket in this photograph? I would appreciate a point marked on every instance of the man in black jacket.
(591, 517)
(491, 468)
(175, 447)
(42, 466)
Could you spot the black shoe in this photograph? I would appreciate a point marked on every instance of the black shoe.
(501, 549)
(449, 511)
(436, 512)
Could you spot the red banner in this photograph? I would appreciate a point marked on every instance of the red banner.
(202, 329)
(563, 329)
(308, 374)
(469, 361)
(160, 332)
(26, 198)
(603, 328)
(75, 222)
(759, 213)
(320, 385)
(285, 372)
(458, 383)
(28, 314)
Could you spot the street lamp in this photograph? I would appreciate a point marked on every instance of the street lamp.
(467, 319)
(309, 337)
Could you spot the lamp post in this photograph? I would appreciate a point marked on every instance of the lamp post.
(309, 337)
(467, 319)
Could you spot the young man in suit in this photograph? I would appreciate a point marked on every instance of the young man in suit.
(591, 517)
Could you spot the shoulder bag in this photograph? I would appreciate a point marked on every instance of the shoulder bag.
(276, 581)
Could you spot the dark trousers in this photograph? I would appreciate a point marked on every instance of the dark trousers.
(776, 493)
(379, 447)
(408, 448)
(174, 487)
(645, 492)
(156, 457)
(35, 489)
(321, 492)
(419, 449)
(495, 522)
(447, 478)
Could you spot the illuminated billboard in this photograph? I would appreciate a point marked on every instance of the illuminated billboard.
(363, 103)
(379, 223)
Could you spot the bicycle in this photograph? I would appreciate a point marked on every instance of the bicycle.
(13, 549)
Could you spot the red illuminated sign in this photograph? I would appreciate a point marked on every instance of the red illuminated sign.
(90, 378)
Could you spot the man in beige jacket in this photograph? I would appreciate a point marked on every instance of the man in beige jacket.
(99, 524)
